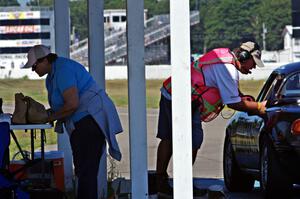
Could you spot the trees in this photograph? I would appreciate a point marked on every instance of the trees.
(40, 3)
(222, 22)
(275, 14)
(79, 18)
(8, 3)
(229, 22)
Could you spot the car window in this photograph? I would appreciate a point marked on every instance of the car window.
(271, 91)
(291, 86)
(267, 88)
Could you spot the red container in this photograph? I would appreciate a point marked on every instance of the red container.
(14, 166)
(56, 158)
(53, 159)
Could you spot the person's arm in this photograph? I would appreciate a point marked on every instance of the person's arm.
(71, 103)
(249, 106)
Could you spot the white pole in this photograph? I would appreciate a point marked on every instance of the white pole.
(97, 70)
(62, 46)
(264, 36)
(181, 98)
(96, 41)
(137, 99)
(291, 45)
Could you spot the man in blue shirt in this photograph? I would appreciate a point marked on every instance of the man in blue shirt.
(88, 114)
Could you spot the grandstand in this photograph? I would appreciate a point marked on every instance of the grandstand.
(157, 34)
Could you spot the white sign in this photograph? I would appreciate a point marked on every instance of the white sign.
(23, 43)
(20, 29)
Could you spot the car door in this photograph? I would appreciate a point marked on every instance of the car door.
(250, 126)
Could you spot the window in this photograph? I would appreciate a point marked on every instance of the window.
(271, 91)
(106, 19)
(267, 88)
(116, 19)
(292, 86)
(123, 18)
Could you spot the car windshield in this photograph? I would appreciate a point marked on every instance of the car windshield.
(291, 87)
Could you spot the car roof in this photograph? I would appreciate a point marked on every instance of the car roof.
(288, 68)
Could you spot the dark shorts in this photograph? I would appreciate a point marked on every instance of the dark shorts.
(165, 123)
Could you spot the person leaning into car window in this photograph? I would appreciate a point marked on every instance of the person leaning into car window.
(87, 112)
(220, 70)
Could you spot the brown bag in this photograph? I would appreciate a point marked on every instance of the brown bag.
(19, 115)
(28, 111)
(36, 112)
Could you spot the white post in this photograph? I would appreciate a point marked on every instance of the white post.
(264, 35)
(181, 98)
(62, 45)
(96, 41)
(97, 70)
(137, 99)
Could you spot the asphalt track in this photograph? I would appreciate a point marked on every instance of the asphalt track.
(208, 168)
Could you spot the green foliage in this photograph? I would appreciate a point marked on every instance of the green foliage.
(23, 138)
(112, 4)
(223, 23)
(9, 3)
(230, 22)
(275, 14)
(41, 3)
(79, 18)
(25, 77)
(156, 7)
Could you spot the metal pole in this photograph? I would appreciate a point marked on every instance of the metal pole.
(62, 48)
(137, 99)
(97, 70)
(181, 99)
(264, 36)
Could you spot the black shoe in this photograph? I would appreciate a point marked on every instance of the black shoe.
(164, 190)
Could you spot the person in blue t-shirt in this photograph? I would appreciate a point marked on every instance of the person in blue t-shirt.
(87, 112)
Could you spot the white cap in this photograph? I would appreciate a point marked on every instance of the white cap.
(254, 49)
(35, 53)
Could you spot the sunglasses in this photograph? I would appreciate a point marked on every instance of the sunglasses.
(33, 67)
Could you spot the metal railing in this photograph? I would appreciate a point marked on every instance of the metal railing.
(156, 29)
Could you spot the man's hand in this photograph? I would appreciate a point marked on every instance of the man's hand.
(262, 107)
(248, 98)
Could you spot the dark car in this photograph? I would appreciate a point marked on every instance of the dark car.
(267, 147)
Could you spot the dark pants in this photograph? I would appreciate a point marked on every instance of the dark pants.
(87, 141)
